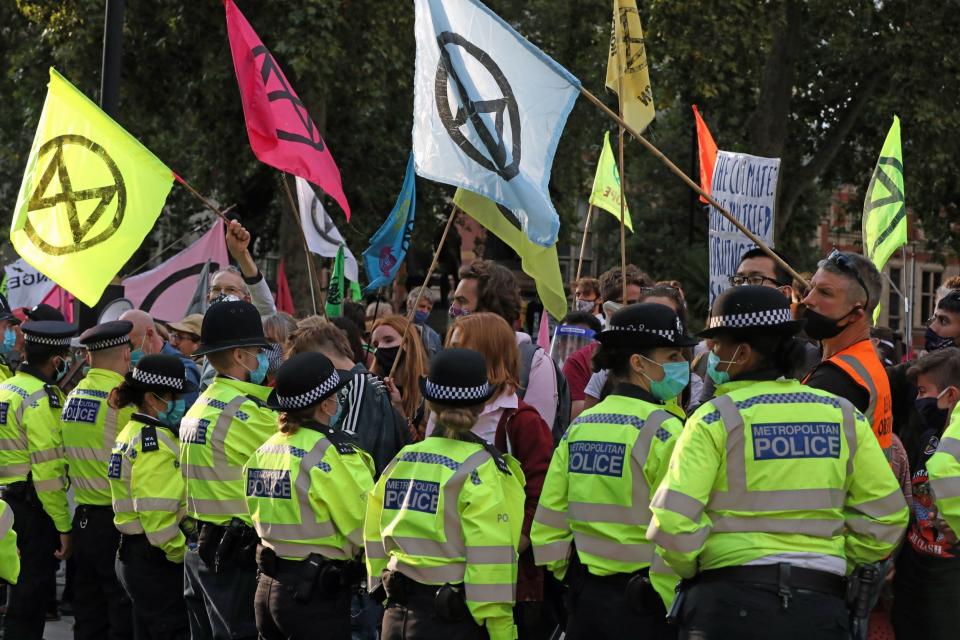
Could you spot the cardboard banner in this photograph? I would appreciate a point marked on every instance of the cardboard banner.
(747, 187)
(165, 291)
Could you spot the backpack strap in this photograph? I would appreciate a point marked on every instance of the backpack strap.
(498, 459)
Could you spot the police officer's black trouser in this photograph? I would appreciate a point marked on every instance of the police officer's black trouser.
(101, 607)
(725, 610)
(598, 608)
(281, 616)
(413, 617)
(37, 540)
(155, 587)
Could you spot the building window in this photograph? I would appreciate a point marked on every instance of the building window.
(894, 302)
(929, 283)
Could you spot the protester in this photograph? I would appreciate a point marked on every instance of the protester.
(577, 330)
(943, 329)
(757, 563)
(590, 528)
(839, 311)
(511, 425)
(277, 328)
(12, 342)
(146, 340)
(354, 337)
(33, 474)
(218, 434)
(404, 382)
(101, 607)
(927, 579)
(432, 342)
(246, 282)
(951, 284)
(185, 335)
(367, 413)
(311, 532)
(587, 298)
(148, 497)
(355, 312)
(376, 310)
(447, 566)
(487, 286)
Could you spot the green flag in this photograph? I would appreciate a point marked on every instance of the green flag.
(884, 208)
(335, 290)
(355, 294)
(606, 185)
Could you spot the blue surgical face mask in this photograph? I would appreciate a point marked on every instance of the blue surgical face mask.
(258, 375)
(62, 369)
(335, 418)
(713, 361)
(9, 341)
(419, 316)
(137, 353)
(171, 417)
(676, 376)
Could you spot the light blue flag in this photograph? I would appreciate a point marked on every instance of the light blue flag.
(388, 246)
(489, 108)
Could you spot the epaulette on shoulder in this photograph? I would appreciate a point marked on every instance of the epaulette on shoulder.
(343, 442)
(148, 439)
(53, 396)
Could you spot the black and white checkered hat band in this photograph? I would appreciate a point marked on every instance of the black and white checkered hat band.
(52, 342)
(310, 397)
(441, 392)
(768, 318)
(146, 377)
(108, 343)
(669, 334)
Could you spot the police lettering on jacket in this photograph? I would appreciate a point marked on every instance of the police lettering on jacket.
(597, 458)
(776, 441)
(268, 483)
(81, 410)
(415, 495)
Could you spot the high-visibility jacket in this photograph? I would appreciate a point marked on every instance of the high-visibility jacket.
(31, 441)
(218, 435)
(90, 429)
(943, 470)
(146, 485)
(598, 489)
(5, 370)
(775, 469)
(861, 363)
(307, 493)
(449, 511)
(9, 555)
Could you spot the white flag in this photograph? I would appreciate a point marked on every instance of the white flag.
(489, 108)
(323, 237)
(26, 287)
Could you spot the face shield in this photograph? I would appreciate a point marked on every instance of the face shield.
(566, 340)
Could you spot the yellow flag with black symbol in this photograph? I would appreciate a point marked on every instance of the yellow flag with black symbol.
(539, 262)
(90, 194)
(606, 191)
(627, 66)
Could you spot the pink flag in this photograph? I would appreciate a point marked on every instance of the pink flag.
(166, 290)
(284, 297)
(61, 299)
(543, 336)
(279, 127)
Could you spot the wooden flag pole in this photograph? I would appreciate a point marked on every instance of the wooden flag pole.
(311, 267)
(623, 175)
(693, 185)
(583, 244)
(202, 198)
(426, 282)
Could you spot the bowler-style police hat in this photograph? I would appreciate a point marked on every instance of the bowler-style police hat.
(645, 325)
(304, 381)
(229, 325)
(107, 335)
(458, 378)
(750, 309)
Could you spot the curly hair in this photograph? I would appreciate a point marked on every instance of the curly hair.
(497, 289)
(611, 282)
(315, 333)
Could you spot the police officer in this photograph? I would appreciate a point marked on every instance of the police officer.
(443, 522)
(148, 496)
(9, 556)
(33, 471)
(11, 340)
(218, 435)
(90, 428)
(774, 489)
(591, 523)
(306, 493)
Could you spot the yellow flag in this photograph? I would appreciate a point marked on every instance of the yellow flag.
(606, 185)
(90, 194)
(628, 53)
(538, 262)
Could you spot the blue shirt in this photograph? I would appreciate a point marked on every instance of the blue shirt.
(191, 370)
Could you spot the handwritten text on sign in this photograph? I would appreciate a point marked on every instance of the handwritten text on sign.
(746, 186)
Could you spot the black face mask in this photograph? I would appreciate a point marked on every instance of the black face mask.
(385, 357)
(820, 327)
(933, 417)
(933, 342)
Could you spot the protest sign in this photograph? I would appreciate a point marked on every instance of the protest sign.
(747, 187)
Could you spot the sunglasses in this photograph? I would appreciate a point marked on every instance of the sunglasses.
(846, 265)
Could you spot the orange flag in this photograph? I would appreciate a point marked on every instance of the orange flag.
(708, 153)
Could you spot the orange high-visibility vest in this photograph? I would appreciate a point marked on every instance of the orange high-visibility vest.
(860, 362)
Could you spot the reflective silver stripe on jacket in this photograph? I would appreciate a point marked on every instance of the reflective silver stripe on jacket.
(6, 521)
(857, 366)
(950, 446)
(299, 550)
(30, 401)
(221, 469)
(452, 573)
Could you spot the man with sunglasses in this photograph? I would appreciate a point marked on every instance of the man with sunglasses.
(839, 310)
